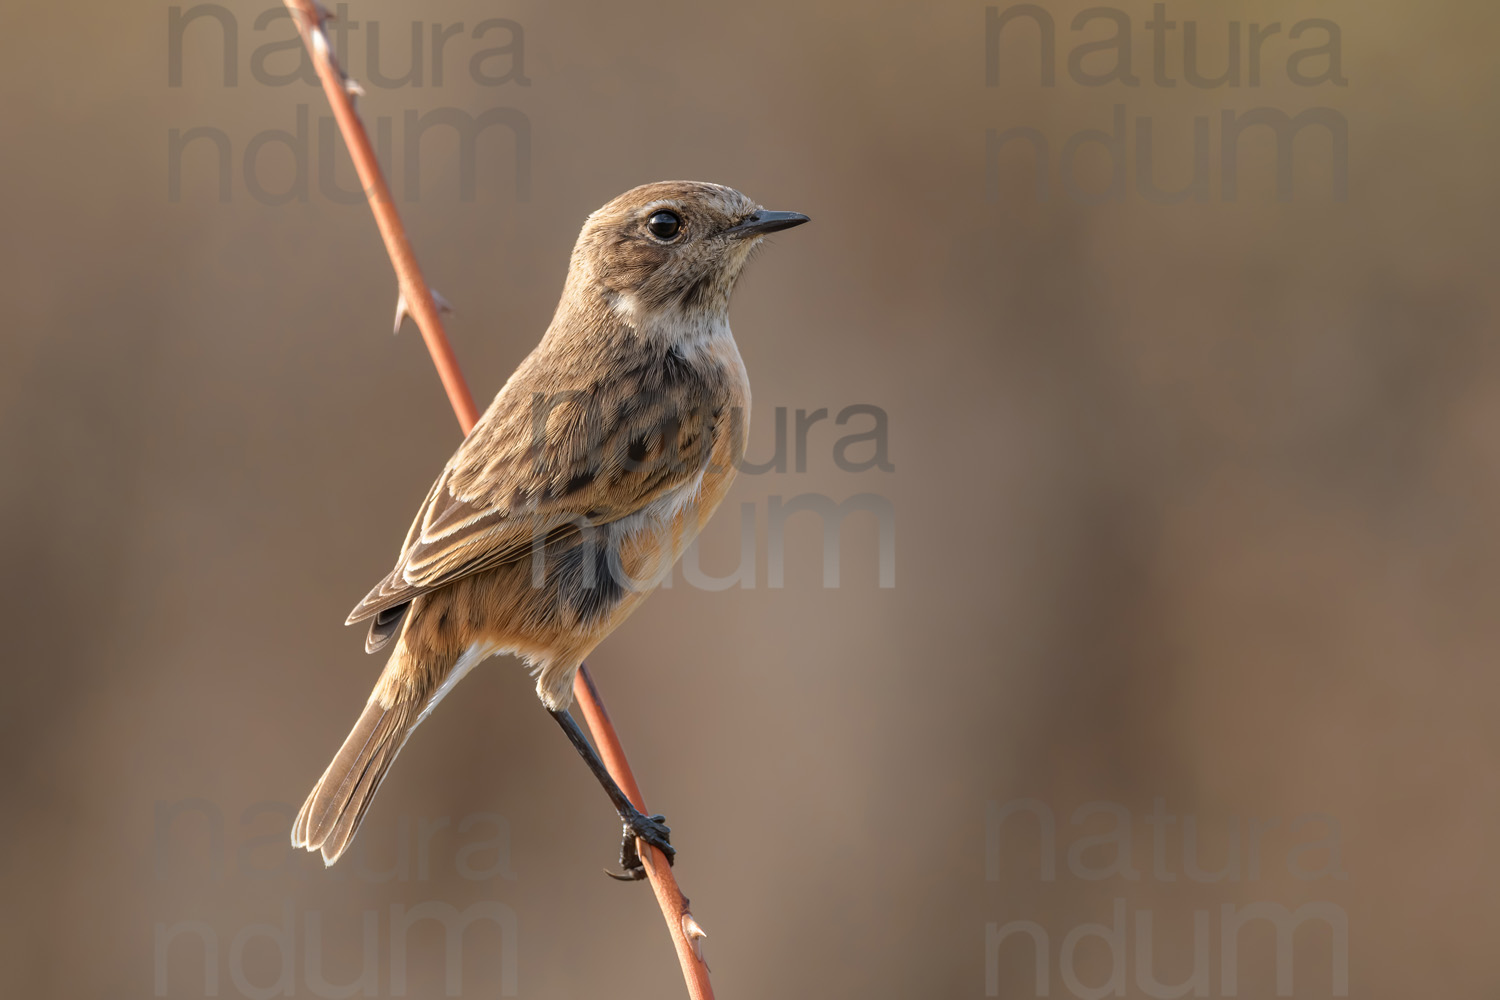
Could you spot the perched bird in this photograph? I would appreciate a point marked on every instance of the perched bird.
(594, 467)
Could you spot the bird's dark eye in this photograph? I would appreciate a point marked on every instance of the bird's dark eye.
(664, 225)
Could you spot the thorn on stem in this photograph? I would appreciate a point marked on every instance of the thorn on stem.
(402, 311)
(694, 934)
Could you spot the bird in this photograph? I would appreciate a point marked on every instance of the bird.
(592, 470)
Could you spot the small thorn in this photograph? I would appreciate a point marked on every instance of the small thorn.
(401, 312)
(352, 87)
(694, 934)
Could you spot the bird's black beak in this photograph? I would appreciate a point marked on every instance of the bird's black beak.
(763, 222)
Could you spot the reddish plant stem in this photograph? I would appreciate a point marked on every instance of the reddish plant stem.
(412, 287)
(418, 296)
(687, 936)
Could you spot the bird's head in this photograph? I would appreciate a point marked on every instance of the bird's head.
(664, 254)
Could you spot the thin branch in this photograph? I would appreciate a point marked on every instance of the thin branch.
(687, 936)
(413, 293)
(416, 297)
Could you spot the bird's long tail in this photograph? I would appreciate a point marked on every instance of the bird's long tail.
(406, 693)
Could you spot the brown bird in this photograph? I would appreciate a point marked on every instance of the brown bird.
(595, 466)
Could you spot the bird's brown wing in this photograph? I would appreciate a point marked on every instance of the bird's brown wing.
(526, 474)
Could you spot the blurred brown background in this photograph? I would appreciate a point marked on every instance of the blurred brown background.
(1194, 503)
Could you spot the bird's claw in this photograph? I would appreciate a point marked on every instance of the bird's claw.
(654, 831)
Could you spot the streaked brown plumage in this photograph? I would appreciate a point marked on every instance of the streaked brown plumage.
(595, 466)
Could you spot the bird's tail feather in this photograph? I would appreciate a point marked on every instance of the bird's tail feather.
(409, 689)
(332, 813)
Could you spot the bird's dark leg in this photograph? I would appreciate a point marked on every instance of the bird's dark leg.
(652, 829)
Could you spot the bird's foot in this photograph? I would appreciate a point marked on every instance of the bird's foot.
(654, 831)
